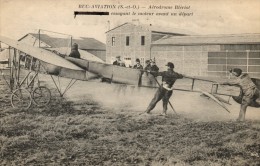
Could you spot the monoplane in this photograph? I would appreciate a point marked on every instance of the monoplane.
(24, 57)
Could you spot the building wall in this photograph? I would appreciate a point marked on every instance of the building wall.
(195, 60)
(191, 60)
(209, 60)
(134, 50)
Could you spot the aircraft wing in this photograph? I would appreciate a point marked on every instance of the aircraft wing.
(132, 76)
(52, 63)
(117, 74)
(83, 54)
(215, 99)
(40, 54)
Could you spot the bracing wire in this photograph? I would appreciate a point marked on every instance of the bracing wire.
(69, 86)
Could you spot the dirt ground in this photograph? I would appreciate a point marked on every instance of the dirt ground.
(94, 125)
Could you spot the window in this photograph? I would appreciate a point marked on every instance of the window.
(127, 61)
(113, 41)
(127, 41)
(142, 40)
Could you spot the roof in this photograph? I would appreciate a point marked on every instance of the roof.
(84, 43)
(117, 27)
(169, 30)
(210, 39)
(89, 44)
(158, 29)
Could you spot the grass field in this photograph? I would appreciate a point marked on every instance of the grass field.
(93, 125)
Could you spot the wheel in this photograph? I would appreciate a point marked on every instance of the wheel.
(41, 96)
(21, 98)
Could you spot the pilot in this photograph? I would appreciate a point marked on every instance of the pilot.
(249, 90)
(164, 92)
(117, 61)
(74, 51)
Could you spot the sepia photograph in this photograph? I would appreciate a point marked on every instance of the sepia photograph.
(130, 82)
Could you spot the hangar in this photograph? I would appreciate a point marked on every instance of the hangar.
(197, 55)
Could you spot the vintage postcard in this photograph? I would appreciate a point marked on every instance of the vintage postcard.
(132, 82)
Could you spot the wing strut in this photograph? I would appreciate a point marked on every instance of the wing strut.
(214, 98)
(5, 79)
(211, 95)
(72, 82)
(58, 87)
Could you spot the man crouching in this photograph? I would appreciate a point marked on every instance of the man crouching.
(250, 93)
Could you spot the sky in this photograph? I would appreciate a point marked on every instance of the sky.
(19, 17)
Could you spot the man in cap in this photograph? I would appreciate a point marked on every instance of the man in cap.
(154, 67)
(137, 65)
(151, 66)
(148, 65)
(164, 92)
(149, 78)
(117, 61)
(250, 93)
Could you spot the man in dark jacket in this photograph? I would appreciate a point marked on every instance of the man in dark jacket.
(154, 67)
(249, 90)
(137, 65)
(117, 61)
(164, 92)
(74, 51)
(148, 65)
(151, 66)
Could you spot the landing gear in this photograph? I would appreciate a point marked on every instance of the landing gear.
(41, 96)
(21, 98)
